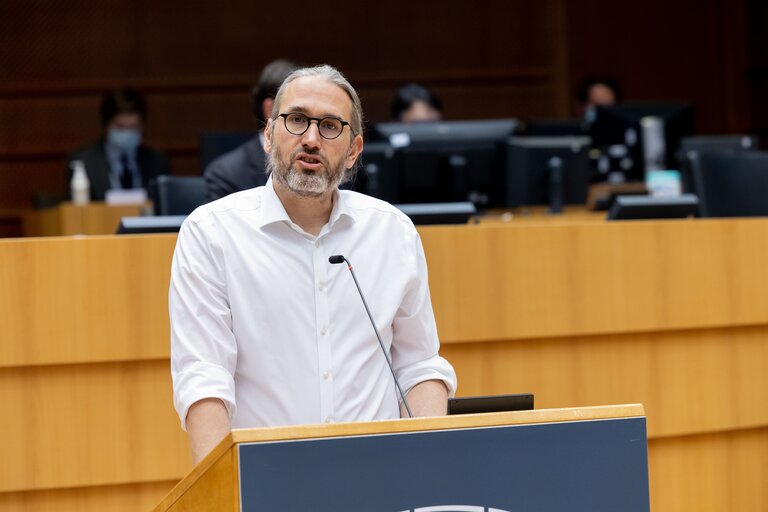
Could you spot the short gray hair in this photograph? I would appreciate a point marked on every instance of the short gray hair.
(334, 76)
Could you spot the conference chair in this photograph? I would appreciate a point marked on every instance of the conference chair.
(730, 183)
(177, 195)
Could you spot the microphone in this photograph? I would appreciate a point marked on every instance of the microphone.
(335, 260)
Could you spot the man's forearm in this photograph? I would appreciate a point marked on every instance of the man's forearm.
(428, 398)
(207, 424)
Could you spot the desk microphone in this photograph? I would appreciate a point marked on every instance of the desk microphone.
(335, 260)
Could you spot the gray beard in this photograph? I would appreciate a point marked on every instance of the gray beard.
(309, 185)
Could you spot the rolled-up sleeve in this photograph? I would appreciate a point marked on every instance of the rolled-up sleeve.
(415, 343)
(203, 346)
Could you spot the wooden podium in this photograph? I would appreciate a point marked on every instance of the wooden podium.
(579, 459)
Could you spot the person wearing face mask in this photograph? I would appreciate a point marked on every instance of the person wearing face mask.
(119, 160)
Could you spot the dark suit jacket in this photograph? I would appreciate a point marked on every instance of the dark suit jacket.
(151, 163)
(242, 168)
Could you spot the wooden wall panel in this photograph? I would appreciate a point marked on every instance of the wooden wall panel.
(710, 473)
(108, 498)
(684, 51)
(197, 69)
(595, 277)
(516, 59)
(89, 425)
(689, 381)
(672, 314)
(86, 300)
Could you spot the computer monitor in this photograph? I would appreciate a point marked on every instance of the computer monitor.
(731, 184)
(450, 161)
(491, 403)
(649, 207)
(556, 127)
(547, 170)
(379, 172)
(709, 144)
(150, 224)
(439, 213)
(631, 136)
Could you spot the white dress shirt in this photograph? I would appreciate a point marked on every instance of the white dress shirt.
(262, 320)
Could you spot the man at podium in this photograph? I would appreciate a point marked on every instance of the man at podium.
(265, 330)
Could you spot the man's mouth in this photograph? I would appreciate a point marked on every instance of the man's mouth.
(310, 162)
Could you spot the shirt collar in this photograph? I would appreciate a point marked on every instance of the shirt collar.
(272, 210)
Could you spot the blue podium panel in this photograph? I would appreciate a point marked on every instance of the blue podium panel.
(589, 466)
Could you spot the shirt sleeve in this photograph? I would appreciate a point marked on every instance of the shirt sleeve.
(415, 344)
(203, 346)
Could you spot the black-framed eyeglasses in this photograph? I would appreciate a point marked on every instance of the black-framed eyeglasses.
(329, 127)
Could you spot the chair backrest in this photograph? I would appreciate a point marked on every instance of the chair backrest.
(215, 144)
(730, 183)
(177, 195)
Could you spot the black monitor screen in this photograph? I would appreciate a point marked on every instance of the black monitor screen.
(492, 403)
(547, 170)
(450, 161)
(379, 172)
(649, 207)
(556, 128)
(624, 136)
(731, 184)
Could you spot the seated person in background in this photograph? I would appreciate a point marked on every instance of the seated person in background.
(245, 167)
(415, 103)
(596, 90)
(119, 160)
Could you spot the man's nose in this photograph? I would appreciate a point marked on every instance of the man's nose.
(312, 135)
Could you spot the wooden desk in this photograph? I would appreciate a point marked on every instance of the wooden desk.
(68, 219)
(539, 215)
(671, 314)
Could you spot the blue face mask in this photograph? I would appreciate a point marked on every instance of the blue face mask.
(124, 140)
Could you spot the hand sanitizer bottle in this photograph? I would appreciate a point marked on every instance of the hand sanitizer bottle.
(80, 186)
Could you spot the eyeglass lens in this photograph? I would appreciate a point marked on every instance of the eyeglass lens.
(297, 124)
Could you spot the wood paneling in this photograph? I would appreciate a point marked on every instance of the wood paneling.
(84, 300)
(197, 69)
(687, 50)
(110, 498)
(671, 314)
(89, 425)
(96, 218)
(711, 473)
(689, 381)
(576, 278)
(516, 59)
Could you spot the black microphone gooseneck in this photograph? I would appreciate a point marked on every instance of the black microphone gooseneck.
(335, 260)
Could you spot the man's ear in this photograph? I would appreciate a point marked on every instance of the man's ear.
(268, 136)
(266, 107)
(354, 151)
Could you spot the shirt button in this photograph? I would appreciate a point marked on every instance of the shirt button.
(317, 243)
(323, 331)
(326, 375)
(328, 419)
(321, 286)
